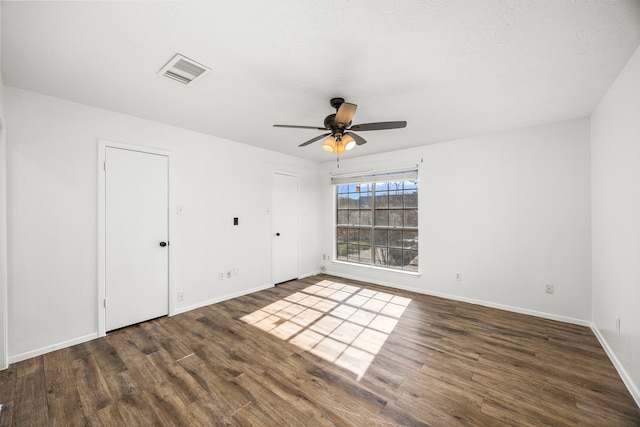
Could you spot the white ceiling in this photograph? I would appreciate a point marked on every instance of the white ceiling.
(450, 68)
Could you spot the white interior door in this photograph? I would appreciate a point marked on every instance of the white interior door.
(136, 237)
(285, 231)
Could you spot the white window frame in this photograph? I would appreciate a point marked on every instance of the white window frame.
(371, 179)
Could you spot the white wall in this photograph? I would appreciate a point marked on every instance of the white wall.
(615, 133)
(52, 215)
(4, 356)
(510, 211)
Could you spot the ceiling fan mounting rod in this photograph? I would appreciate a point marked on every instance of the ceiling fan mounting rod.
(336, 102)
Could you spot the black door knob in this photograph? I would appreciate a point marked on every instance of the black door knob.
(163, 244)
(277, 234)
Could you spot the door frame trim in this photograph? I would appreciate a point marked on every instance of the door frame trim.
(294, 175)
(103, 144)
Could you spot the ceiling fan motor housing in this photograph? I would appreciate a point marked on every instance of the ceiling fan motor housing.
(329, 121)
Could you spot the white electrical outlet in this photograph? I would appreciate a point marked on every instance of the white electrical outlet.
(548, 289)
(221, 275)
(458, 277)
(181, 296)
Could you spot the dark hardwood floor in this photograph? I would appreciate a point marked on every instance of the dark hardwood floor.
(326, 351)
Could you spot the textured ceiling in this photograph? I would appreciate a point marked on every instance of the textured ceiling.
(450, 68)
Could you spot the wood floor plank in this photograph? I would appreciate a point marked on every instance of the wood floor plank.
(325, 351)
(30, 404)
(93, 389)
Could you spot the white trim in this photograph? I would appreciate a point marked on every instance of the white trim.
(372, 171)
(483, 303)
(47, 349)
(403, 273)
(102, 146)
(220, 299)
(626, 378)
(313, 273)
(374, 177)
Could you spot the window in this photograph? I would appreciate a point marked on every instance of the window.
(377, 219)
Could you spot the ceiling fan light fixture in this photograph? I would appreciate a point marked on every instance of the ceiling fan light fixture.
(329, 144)
(348, 142)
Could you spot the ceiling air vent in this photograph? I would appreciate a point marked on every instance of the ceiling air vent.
(183, 70)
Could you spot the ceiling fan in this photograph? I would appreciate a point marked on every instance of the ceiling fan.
(341, 136)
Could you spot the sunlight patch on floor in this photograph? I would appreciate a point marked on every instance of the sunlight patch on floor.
(340, 323)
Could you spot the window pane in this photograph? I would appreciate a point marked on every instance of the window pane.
(395, 238)
(395, 257)
(410, 198)
(354, 235)
(353, 253)
(342, 235)
(365, 237)
(353, 188)
(395, 185)
(411, 218)
(365, 254)
(354, 217)
(342, 251)
(382, 200)
(382, 218)
(365, 200)
(395, 199)
(411, 260)
(410, 185)
(380, 255)
(380, 238)
(343, 217)
(343, 201)
(365, 217)
(382, 186)
(343, 189)
(366, 188)
(395, 218)
(410, 239)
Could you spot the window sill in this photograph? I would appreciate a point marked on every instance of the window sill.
(376, 268)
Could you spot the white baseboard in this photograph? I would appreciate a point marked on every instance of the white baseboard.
(50, 348)
(483, 303)
(510, 308)
(89, 337)
(633, 389)
(313, 273)
(220, 299)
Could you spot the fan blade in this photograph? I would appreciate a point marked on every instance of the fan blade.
(345, 114)
(359, 140)
(378, 126)
(315, 139)
(299, 127)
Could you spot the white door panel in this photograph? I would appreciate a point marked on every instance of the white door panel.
(285, 232)
(136, 222)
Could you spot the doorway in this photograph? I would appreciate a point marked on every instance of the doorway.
(285, 228)
(135, 236)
